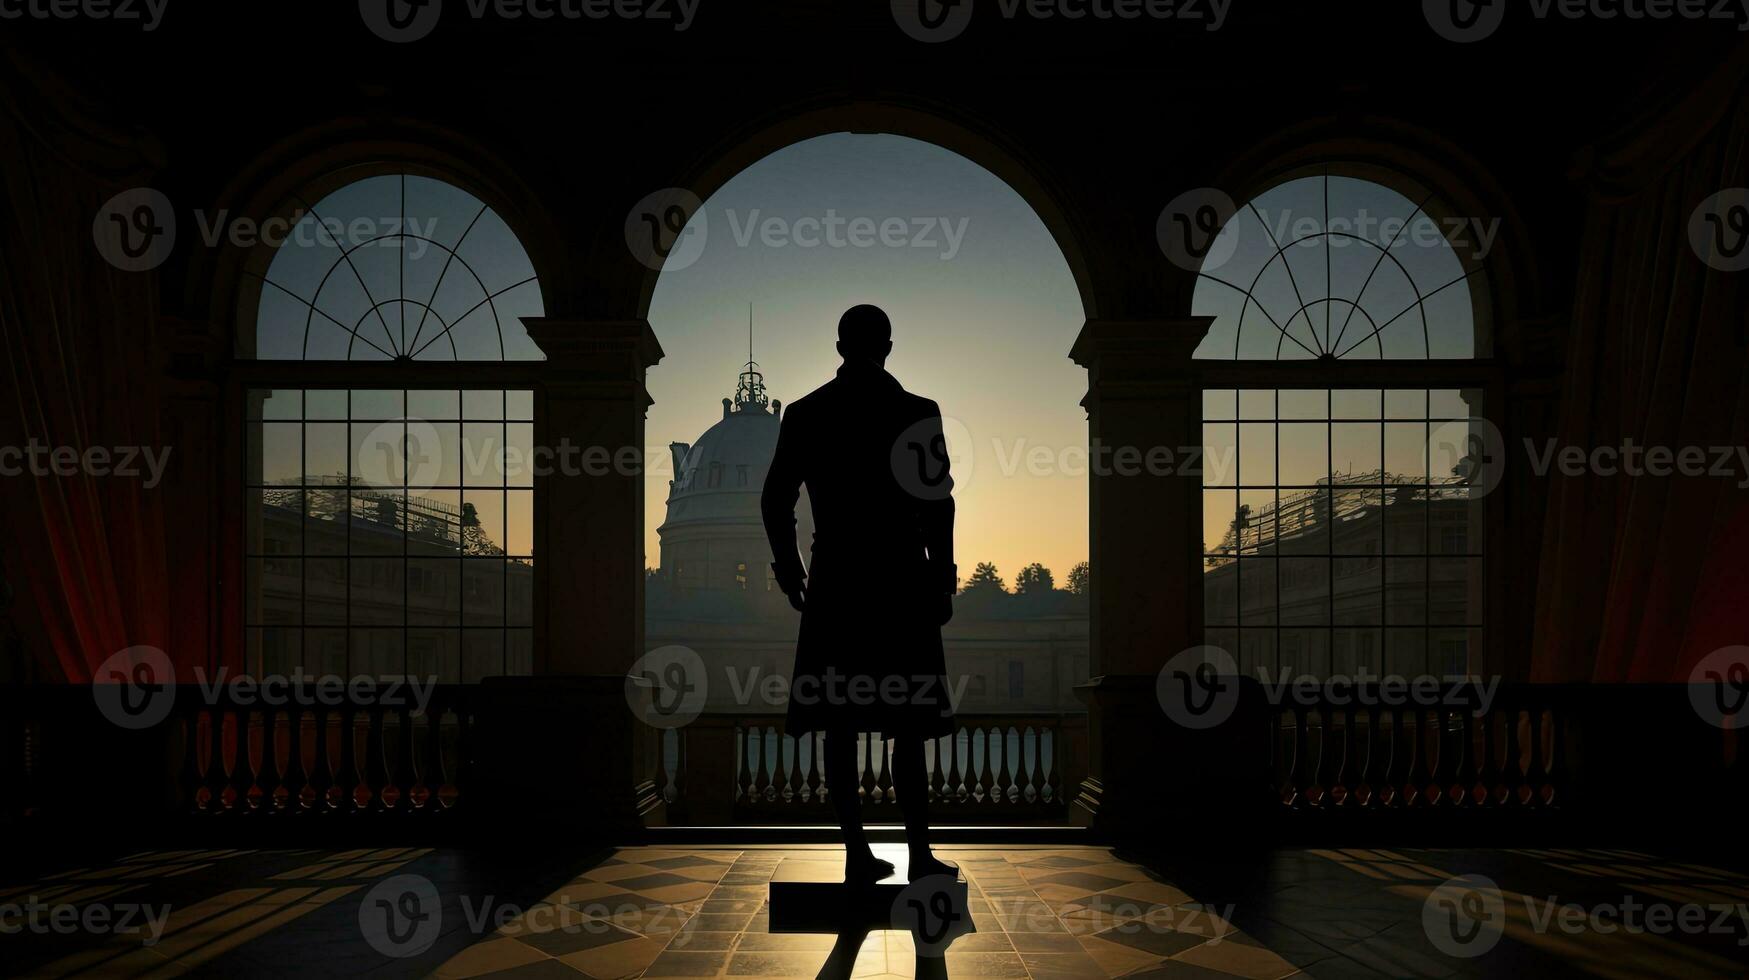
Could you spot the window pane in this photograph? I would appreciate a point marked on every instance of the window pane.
(1305, 454)
(274, 453)
(1257, 454)
(1308, 569)
(359, 569)
(483, 454)
(435, 406)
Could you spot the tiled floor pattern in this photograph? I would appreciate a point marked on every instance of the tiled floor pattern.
(1041, 913)
(1048, 914)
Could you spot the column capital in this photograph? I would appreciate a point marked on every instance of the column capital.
(606, 344)
(1168, 339)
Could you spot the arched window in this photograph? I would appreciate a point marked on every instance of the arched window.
(389, 506)
(397, 267)
(1343, 507)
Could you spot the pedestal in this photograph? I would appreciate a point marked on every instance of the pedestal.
(809, 895)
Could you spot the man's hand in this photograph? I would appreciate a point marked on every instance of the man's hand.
(798, 599)
(943, 610)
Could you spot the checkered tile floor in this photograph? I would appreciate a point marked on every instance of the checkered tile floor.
(1040, 913)
(1044, 913)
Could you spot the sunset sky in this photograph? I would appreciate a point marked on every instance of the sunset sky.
(983, 307)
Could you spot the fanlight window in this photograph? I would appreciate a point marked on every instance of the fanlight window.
(397, 267)
(1332, 267)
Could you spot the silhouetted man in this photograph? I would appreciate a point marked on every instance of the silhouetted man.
(880, 581)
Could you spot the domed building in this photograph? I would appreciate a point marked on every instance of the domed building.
(713, 539)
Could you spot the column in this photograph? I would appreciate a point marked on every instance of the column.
(1144, 408)
(564, 743)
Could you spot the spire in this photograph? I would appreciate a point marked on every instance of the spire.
(750, 388)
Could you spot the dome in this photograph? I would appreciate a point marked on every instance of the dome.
(713, 536)
(721, 475)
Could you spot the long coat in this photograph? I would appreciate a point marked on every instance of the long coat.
(881, 574)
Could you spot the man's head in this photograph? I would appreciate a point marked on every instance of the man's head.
(865, 335)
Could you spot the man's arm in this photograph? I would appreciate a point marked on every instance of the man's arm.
(935, 510)
(777, 506)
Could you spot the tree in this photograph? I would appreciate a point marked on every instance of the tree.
(1034, 580)
(985, 579)
(1081, 579)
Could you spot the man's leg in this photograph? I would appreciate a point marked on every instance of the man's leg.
(841, 786)
(911, 781)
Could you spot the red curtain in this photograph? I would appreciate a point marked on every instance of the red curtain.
(85, 554)
(1642, 576)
